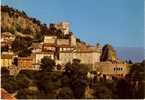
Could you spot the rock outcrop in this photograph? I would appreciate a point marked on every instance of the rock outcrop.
(108, 53)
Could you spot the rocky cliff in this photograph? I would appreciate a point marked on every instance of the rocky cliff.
(108, 53)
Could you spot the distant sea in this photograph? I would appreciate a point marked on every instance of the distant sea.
(135, 54)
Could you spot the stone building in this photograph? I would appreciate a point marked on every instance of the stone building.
(25, 62)
(38, 56)
(73, 40)
(64, 27)
(6, 59)
(112, 68)
(7, 39)
(50, 39)
(36, 47)
(89, 57)
(64, 50)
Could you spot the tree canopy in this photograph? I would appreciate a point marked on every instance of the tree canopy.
(47, 64)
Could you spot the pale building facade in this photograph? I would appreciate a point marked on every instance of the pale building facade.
(86, 57)
(50, 39)
(112, 69)
(6, 59)
(7, 39)
(64, 27)
(37, 47)
(73, 40)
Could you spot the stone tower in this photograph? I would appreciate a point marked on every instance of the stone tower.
(64, 27)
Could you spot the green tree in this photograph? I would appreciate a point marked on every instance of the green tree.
(132, 86)
(23, 81)
(15, 62)
(77, 74)
(38, 37)
(65, 93)
(12, 30)
(48, 83)
(5, 72)
(4, 48)
(47, 64)
(25, 52)
(9, 83)
(102, 92)
(21, 43)
(130, 62)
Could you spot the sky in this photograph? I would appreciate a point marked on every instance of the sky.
(118, 22)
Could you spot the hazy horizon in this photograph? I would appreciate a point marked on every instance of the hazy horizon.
(135, 54)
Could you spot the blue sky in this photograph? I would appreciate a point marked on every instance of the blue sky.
(119, 22)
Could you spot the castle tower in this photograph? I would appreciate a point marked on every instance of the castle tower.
(64, 27)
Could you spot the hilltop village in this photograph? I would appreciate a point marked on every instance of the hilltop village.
(62, 50)
(40, 61)
(22, 44)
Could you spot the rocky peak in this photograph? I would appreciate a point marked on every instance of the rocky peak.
(108, 53)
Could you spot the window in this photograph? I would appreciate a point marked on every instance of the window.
(118, 69)
(64, 49)
(60, 49)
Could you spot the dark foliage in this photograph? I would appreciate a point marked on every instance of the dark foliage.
(77, 74)
(47, 64)
(15, 61)
(25, 52)
(133, 86)
(21, 43)
(38, 37)
(5, 71)
(65, 93)
(4, 48)
(9, 83)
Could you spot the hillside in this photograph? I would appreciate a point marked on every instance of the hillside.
(27, 30)
(19, 23)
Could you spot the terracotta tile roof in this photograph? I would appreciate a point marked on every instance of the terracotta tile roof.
(5, 95)
(49, 44)
(86, 48)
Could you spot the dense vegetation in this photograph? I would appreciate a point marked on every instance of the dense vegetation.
(72, 83)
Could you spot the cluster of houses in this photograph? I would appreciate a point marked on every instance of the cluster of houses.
(62, 50)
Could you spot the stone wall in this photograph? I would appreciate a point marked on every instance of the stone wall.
(113, 69)
(50, 39)
(85, 57)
